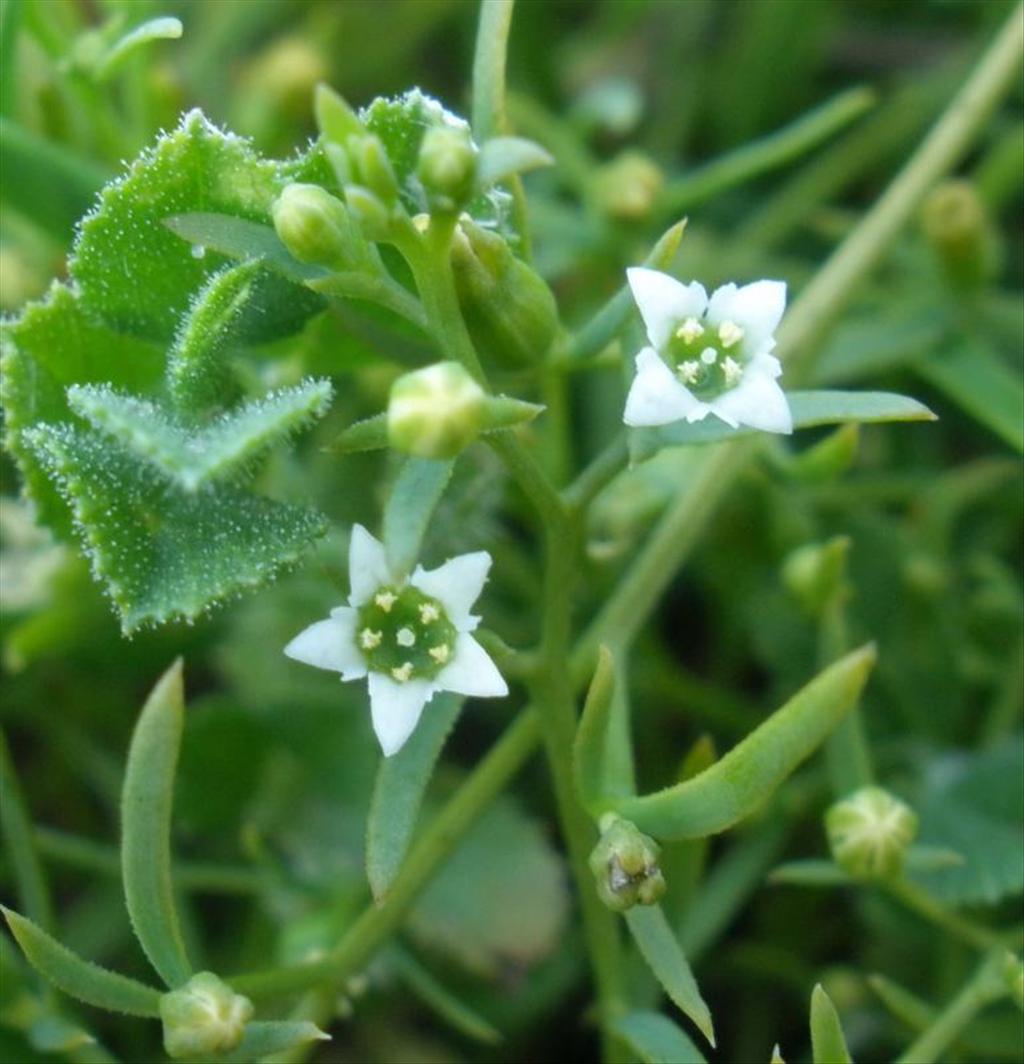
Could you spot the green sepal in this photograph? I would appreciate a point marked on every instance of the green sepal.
(80, 978)
(264, 1038)
(740, 782)
(828, 1044)
(655, 1039)
(809, 409)
(162, 552)
(414, 497)
(664, 956)
(147, 801)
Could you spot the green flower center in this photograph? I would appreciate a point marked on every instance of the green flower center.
(707, 358)
(405, 634)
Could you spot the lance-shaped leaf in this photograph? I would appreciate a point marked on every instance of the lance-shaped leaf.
(147, 800)
(665, 958)
(79, 978)
(656, 1039)
(263, 1038)
(827, 1042)
(809, 409)
(193, 457)
(739, 783)
(415, 495)
(398, 793)
(162, 552)
(590, 747)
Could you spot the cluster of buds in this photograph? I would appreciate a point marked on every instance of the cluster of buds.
(203, 1018)
(869, 833)
(625, 865)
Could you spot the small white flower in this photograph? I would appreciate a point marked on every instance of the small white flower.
(708, 356)
(410, 637)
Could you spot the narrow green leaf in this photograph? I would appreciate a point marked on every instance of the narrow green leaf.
(656, 1039)
(809, 409)
(79, 978)
(265, 1037)
(416, 493)
(590, 744)
(398, 792)
(502, 157)
(665, 958)
(154, 29)
(448, 1007)
(739, 782)
(146, 805)
(827, 1041)
(369, 434)
(334, 118)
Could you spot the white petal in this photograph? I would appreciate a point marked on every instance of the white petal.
(756, 308)
(331, 645)
(656, 397)
(664, 302)
(471, 671)
(457, 585)
(367, 566)
(757, 401)
(395, 709)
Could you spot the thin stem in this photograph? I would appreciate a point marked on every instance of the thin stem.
(928, 908)
(601, 471)
(528, 474)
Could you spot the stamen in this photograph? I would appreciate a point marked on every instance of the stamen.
(729, 333)
(708, 356)
(405, 637)
(369, 640)
(733, 371)
(429, 613)
(690, 330)
(402, 673)
(688, 371)
(385, 599)
(441, 653)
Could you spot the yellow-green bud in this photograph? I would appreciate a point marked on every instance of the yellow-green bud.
(369, 212)
(435, 412)
(869, 833)
(312, 224)
(816, 574)
(447, 167)
(956, 224)
(373, 166)
(509, 309)
(625, 865)
(203, 1018)
(628, 186)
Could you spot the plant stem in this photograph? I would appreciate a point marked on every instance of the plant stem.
(601, 471)
(928, 908)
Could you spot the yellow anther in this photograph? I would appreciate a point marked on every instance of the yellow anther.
(369, 640)
(429, 613)
(688, 371)
(441, 653)
(402, 673)
(729, 333)
(733, 371)
(690, 330)
(385, 599)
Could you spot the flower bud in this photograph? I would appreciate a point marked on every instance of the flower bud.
(628, 186)
(509, 309)
(869, 833)
(203, 1018)
(371, 161)
(312, 224)
(957, 226)
(816, 574)
(447, 167)
(435, 412)
(369, 212)
(625, 865)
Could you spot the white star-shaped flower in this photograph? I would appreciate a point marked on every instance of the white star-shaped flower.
(708, 356)
(410, 637)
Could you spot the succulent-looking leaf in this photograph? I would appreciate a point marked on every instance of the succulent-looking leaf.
(656, 1039)
(664, 956)
(827, 1041)
(147, 801)
(194, 457)
(160, 551)
(415, 495)
(742, 779)
(79, 978)
(809, 409)
(398, 793)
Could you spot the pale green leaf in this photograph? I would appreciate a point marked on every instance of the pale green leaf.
(265, 1037)
(155, 29)
(412, 502)
(503, 157)
(809, 409)
(79, 978)
(827, 1041)
(664, 956)
(147, 801)
(742, 779)
(590, 744)
(655, 1039)
(398, 792)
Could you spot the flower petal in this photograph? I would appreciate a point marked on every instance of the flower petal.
(656, 397)
(757, 401)
(331, 645)
(664, 302)
(457, 585)
(756, 308)
(395, 709)
(367, 566)
(471, 671)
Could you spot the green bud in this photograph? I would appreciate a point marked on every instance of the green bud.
(447, 167)
(371, 162)
(956, 224)
(815, 575)
(435, 412)
(312, 224)
(625, 865)
(1013, 972)
(203, 1018)
(828, 458)
(508, 307)
(369, 212)
(869, 833)
(628, 186)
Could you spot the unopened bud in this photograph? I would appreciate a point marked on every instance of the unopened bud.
(203, 1018)
(447, 167)
(435, 412)
(509, 309)
(625, 865)
(369, 212)
(312, 224)
(371, 162)
(816, 574)
(628, 186)
(957, 226)
(870, 832)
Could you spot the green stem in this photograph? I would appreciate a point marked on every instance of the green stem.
(930, 909)
(601, 471)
